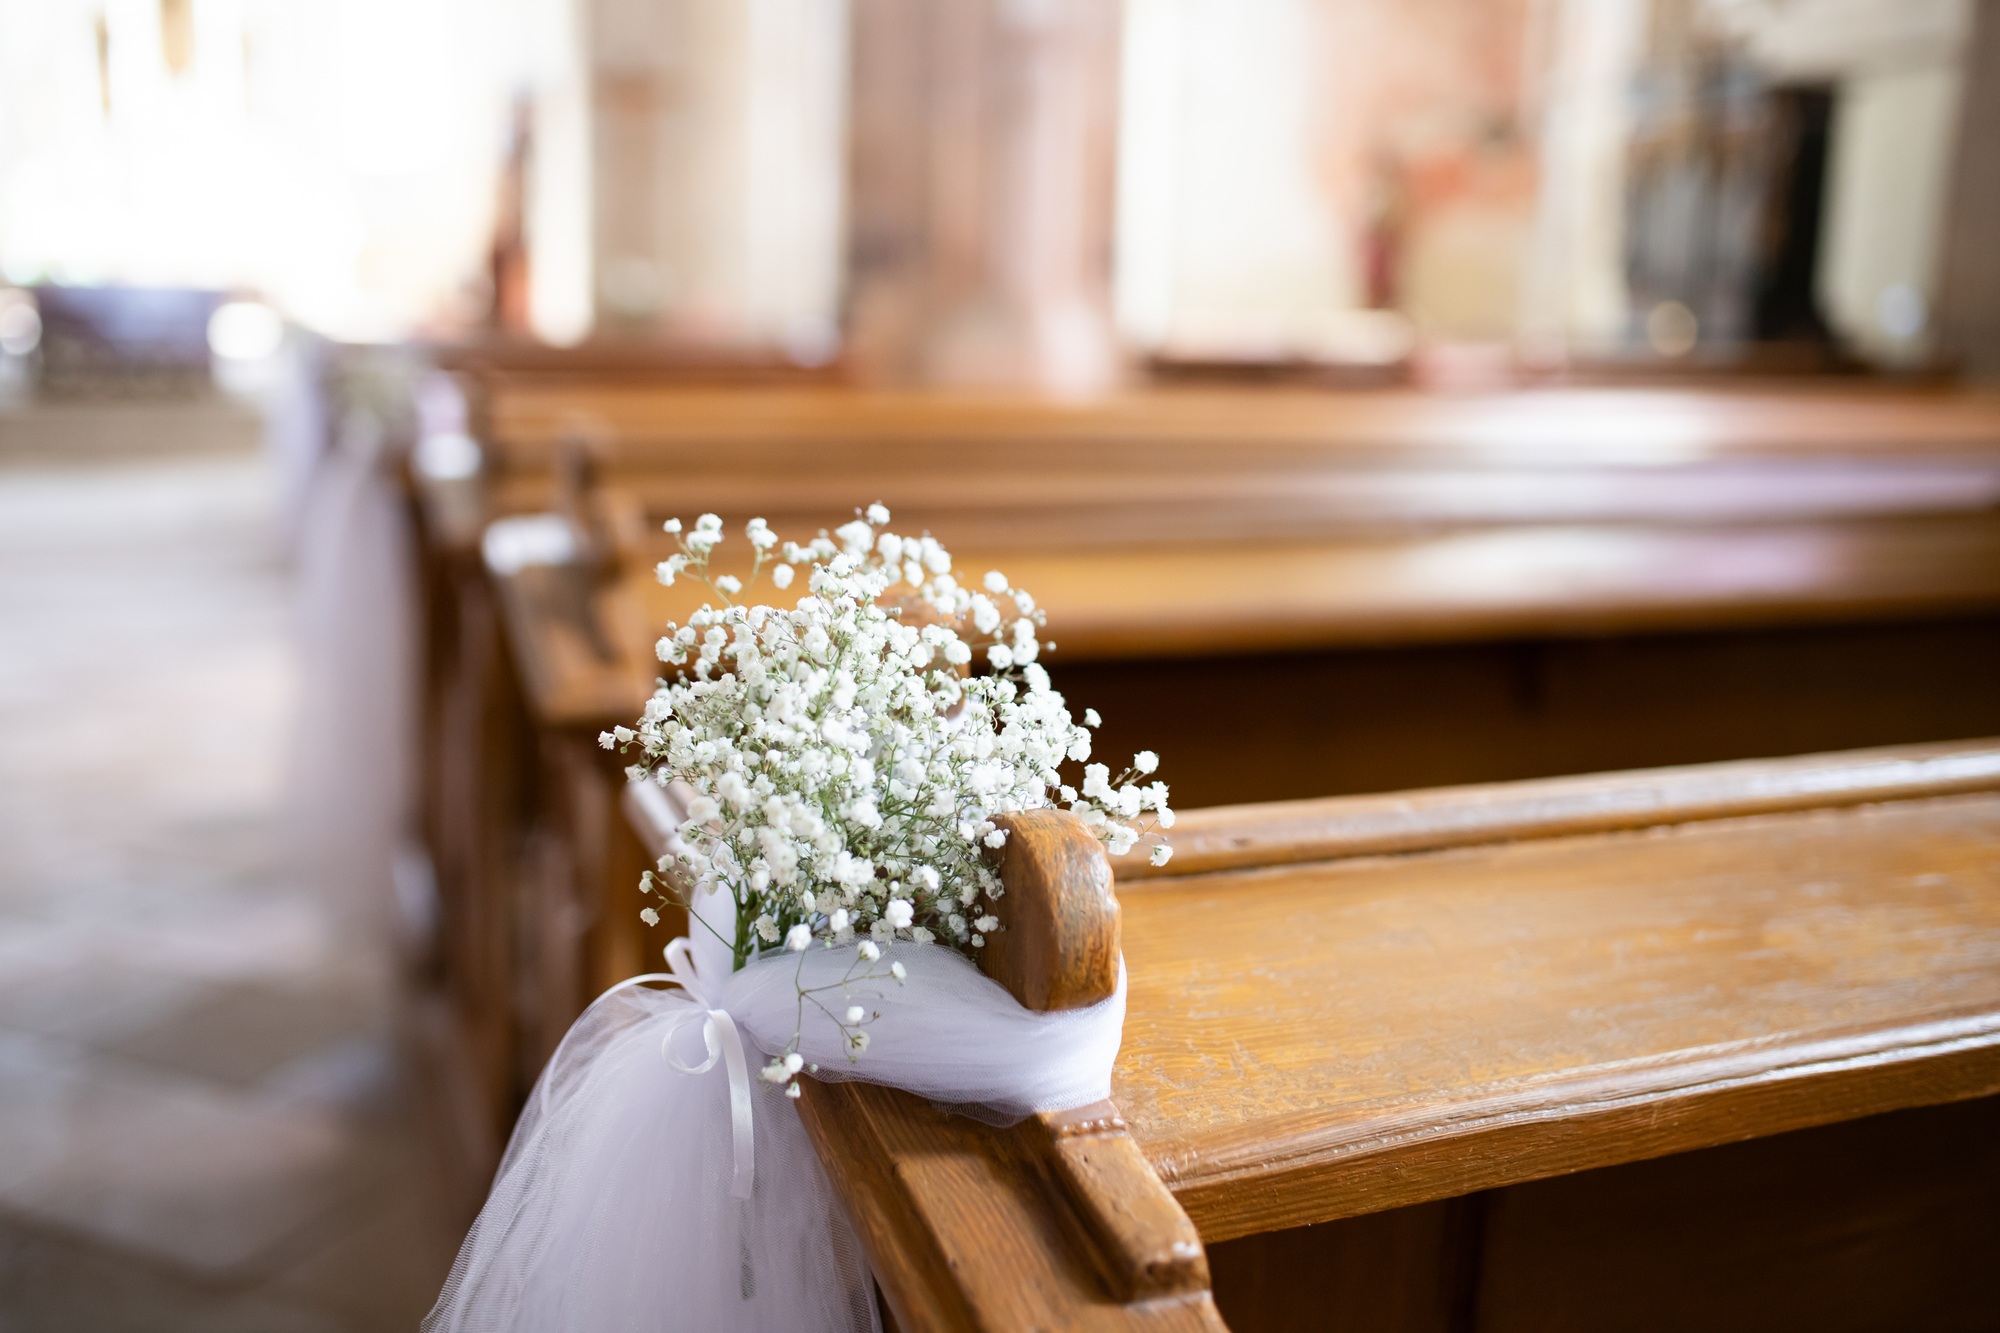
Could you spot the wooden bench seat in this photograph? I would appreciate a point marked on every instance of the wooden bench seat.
(1415, 1027)
(1358, 1046)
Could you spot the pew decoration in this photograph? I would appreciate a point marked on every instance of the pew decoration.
(844, 769)
(849, 784)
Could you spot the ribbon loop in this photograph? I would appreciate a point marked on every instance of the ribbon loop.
(720, 1036)
(745, 1142)
(708, 1039)
(684, 972)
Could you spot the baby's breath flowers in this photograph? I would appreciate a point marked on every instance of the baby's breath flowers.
(846, 762)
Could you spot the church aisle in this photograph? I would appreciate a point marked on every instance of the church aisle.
(205, 1123)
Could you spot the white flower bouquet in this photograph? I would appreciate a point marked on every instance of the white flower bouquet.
(843, 761)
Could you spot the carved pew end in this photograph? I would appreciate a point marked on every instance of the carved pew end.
(1058, 943)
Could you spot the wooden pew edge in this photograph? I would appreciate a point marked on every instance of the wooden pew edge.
(1065, 1183)
(1224, 838)
(453, 512)
(1594, 1121)
(564, 633)
(958, 1218)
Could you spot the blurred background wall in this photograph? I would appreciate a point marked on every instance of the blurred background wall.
(1015, 191)
(338, 159)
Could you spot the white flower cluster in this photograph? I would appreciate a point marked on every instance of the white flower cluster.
(847, 762)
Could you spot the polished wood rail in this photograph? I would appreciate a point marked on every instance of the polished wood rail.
(1512, 582)
(1059, 949)
(1524, 982)
(1195, 465)
(813, 429)
(502, 364)
(1188, 526)
(1287, 832)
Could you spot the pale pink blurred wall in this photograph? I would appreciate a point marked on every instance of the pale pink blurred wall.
(1424, 141)
(1286, 161)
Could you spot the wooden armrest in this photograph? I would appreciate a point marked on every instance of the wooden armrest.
(1055, 1223)
(570, 633)
(1058, 946)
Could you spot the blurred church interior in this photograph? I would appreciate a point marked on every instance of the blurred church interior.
(1377, 395)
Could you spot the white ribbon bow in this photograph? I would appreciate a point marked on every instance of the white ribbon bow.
(724, 1042)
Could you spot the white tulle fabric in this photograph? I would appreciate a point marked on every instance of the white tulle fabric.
(613, 1211)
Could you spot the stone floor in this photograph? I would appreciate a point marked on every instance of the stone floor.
(205, 1122)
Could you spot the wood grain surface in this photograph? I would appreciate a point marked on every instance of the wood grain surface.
(1217, 522)
(1778, 946)
(1073, 505)
(1317, 1041)
(1508, 582)
(1487, 588)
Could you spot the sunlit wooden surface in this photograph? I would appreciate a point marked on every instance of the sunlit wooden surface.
(812, 428)
(1700, 1047)
(1306, 1042)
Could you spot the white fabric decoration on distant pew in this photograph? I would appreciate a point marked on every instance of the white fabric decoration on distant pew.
(614, 1210)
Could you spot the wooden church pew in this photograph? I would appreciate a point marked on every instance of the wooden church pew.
(1511, 598)
(1456, 590)
(1392, 606)
(1712, 1047)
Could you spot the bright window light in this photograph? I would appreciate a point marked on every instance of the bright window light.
(20, 327)
(245, 331)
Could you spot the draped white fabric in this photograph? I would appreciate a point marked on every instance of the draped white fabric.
(358, 627)
(613, 1211)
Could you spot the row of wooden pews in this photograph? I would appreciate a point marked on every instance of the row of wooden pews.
(1287, 594)
(1712, 1047)
(1405, 590)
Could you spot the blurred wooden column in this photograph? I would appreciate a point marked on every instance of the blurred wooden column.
(1969, 285)
(981, 191)
(716, 131)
